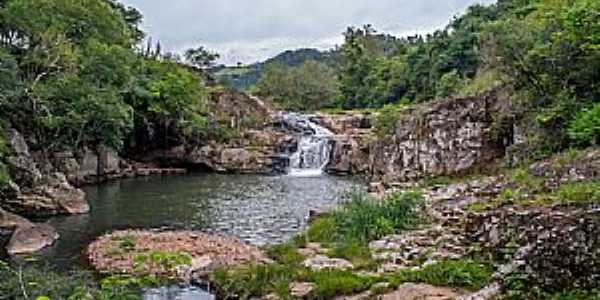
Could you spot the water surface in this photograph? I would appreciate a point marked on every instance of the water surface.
(258, 209)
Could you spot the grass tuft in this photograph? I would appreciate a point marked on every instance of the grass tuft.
(467, 274)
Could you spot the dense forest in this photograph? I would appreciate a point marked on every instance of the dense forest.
(75, 74)
(547, 52)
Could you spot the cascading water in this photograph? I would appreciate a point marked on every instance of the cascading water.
(314, 147)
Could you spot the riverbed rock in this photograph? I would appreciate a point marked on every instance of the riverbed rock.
(412, 291)
(349, 155)
(321, 262)
(11, 221)
(22, 166)
(108, 161)
(302, 290)
(208, 252)
(32, 238)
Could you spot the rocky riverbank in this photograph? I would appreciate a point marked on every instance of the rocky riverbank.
(526, 233)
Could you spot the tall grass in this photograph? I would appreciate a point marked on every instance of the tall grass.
(365, 219)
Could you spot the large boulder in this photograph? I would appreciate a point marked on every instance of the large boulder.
(349, 155)
(88, 166)
(10, 221)
(38, 189)
(22, 166)
(32, 238)
(109, 161)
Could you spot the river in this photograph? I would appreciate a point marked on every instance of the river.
(260, 210)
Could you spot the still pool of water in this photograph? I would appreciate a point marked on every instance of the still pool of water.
(257, 209)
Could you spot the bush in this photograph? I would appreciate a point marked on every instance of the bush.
(449, 84)
(386, 120)
(285, 254)
(584, 130)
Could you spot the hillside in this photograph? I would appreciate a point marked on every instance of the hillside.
(243, 77)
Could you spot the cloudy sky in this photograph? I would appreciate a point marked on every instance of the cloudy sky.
(253, 30)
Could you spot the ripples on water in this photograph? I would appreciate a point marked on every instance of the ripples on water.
(258, 209)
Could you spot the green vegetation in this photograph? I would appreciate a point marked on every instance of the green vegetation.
(308, 87)
(528, 190)
(468, 274)
(387, 118)
(161, 262)
(347, 232)
(545, 52)
(334, 283)
(33, 282)
(68, 86)
(364, 219)
(585, 128)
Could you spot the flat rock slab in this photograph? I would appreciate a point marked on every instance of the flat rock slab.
(321, 262)
(32, 238)
(11, 221)
(302, 290)
(116, 252)
(412, 291)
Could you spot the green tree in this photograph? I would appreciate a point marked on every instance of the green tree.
(200, 57)
(310, 86)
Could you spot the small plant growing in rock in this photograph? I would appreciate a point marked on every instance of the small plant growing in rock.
(161, 262)
(127, 243)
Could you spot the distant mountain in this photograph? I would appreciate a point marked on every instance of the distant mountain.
(243, 77)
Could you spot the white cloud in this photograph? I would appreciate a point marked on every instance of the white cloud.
(251, 30)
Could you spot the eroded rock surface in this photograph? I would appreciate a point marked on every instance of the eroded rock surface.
(412, 291)
(31, 238)
(116, 252)
(440, 138)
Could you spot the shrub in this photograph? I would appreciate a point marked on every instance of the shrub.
(584, 130)
(449, 84)
(386, 120)
(356, 252)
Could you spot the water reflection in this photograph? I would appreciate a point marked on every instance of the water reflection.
(257, 209)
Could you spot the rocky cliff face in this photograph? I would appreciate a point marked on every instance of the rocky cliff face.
(442, 138)
(438, 138)
(256, 149)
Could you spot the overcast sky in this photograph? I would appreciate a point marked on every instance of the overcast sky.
(254, 30)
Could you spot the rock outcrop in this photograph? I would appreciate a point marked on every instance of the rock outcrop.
(37, 189)
(31, 238)
(443, 137)
(440, 138)
(119, 252)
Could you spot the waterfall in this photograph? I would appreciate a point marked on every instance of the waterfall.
(314, 147)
